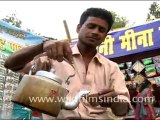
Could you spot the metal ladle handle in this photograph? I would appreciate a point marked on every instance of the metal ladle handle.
(67, 81)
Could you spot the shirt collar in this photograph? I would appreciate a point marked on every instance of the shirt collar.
(99, 58)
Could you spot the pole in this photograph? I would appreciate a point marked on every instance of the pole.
(67, 30)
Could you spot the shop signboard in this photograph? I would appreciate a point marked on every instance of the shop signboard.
(11, 40)
(132, 40)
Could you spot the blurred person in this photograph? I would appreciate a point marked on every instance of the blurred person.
(144, 108)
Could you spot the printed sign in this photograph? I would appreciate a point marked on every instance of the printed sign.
(13, 38)
(132, 40)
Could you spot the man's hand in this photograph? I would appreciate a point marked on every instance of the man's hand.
(103, 98)
(108, 98)
(58, 50)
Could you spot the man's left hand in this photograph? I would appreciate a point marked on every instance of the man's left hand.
(109, 98)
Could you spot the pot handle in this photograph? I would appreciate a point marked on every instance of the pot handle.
(33, 68)
(67, 81)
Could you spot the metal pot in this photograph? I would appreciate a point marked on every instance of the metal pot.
(43, 92)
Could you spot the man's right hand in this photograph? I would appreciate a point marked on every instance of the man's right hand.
(58, 50)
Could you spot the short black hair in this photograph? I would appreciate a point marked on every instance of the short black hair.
(97, 12)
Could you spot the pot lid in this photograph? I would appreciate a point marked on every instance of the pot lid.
(49, 75)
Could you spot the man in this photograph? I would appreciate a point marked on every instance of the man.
(94, 72)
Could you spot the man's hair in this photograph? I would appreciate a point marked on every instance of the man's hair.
(97, 12)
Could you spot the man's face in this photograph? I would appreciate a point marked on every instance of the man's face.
(93, 32)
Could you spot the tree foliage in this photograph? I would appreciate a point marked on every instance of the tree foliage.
(154, 11)
(119, 21)
(13, 20)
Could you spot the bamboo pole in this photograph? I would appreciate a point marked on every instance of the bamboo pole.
(67, 30)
